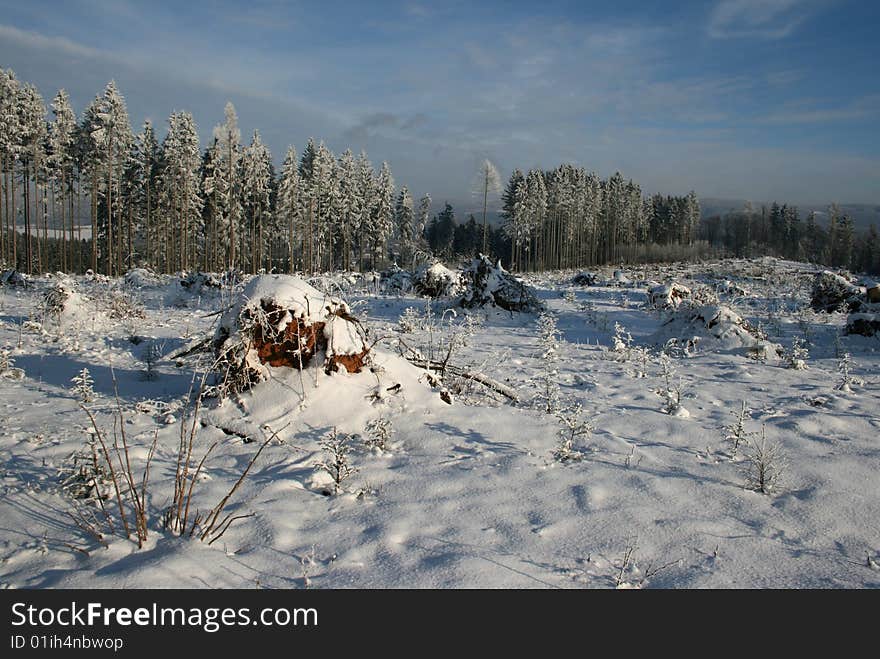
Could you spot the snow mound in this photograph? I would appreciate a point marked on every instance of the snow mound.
(63, 304)
(619, 278)
(188, 287)
(198, 283)
(717, 327)
(833, 292)
(397, 280)
(585, 279)
(667, 296)
(141, 278)
(437, 281)
(282, 321)
(491, 284)
(727, 287)
(13, 277)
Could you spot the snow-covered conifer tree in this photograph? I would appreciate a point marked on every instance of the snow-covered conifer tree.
(256, 191)
(404, 220)
(289, 205)
(181, 203)
(62, 132)
(112, 136)
(382, 216)
(349, 204)
(10, 141)
(31, 153)
(228, 185)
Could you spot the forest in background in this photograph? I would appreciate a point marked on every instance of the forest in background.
(172, 205)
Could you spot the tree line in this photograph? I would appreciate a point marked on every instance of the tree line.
(172, 206)
(569, 218)
(779, 230)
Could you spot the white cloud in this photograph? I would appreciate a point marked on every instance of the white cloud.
(44, 42)
(766, 19)
(803, 113)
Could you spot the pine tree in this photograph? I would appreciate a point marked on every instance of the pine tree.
(382, 214)
(31, 152)
(256, 192)
(62, 132)
(404, 220)
(366, 186)
(535, 213)
(421, 223)
(324, 191)
(180, 201)
(111, 134)
(832, 255)
(211, 202)
(813, 239)
(227, 183)
(845, 241)
(289, 205)
(349, 204)
(10, 143)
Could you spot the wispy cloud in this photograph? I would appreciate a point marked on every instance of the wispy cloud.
(383, 122)
(764, 19)
(45, 42)
(803, 113)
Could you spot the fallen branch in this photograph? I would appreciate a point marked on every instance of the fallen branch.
(198, 346)
(485, 380)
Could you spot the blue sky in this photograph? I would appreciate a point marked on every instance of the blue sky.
(759, 99)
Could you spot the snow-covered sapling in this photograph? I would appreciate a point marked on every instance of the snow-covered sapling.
(847, 380)
(548, 344)
(83, 386)
(379, 433)
(307, 563)
(621, 341)
(765, 465)
(55, 299)
(409, 321)
(150, 356)
(736, 433)
(573, 428)
(570, 297)
(805, 326)
(671, 390)
(640, 357)
(7, 365)
(335, 462)
(84, 474)
(796, 357)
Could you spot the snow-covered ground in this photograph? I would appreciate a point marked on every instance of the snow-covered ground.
(469, 494)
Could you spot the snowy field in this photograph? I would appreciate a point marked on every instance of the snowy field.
(482, 492)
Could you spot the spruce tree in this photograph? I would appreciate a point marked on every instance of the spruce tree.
(404, 220)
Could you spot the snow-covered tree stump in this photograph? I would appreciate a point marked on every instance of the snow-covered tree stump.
(281, 321)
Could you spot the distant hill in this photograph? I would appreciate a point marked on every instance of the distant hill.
(863, 215)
